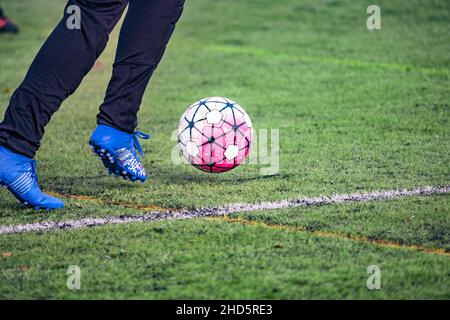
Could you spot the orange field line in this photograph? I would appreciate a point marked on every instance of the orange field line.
(108, 202)
(335, 235)
(318, 233)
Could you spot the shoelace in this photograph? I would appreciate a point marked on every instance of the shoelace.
(137, 145)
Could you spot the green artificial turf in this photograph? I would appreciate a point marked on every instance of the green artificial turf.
(201, 258)
(411, 221)
(356, 110)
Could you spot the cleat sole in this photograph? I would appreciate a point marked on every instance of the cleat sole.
(111, 163)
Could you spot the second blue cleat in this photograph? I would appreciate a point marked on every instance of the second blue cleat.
(18, 174)
(117, 150)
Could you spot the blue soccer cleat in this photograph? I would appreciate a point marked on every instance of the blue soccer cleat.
(117, 150)
(18, 174)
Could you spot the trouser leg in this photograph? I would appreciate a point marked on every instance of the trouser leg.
(145, 33)
(56, 72)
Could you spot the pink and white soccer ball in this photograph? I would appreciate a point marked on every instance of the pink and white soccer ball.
(215, 134)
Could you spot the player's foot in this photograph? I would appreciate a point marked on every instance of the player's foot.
(6, 25)
(117, 150)
(18, 174)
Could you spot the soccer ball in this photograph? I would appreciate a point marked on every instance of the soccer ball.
(215, 134)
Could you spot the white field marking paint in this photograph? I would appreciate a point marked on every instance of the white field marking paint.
(220, 211)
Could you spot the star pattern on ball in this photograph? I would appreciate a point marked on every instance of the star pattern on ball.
(215, 135)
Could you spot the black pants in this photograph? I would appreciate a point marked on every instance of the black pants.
(68, 55)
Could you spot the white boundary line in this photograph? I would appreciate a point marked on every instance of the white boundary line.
(219, 211)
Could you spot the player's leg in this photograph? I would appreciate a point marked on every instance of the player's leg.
(56, 72)
(145, 33)
(6, 24)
